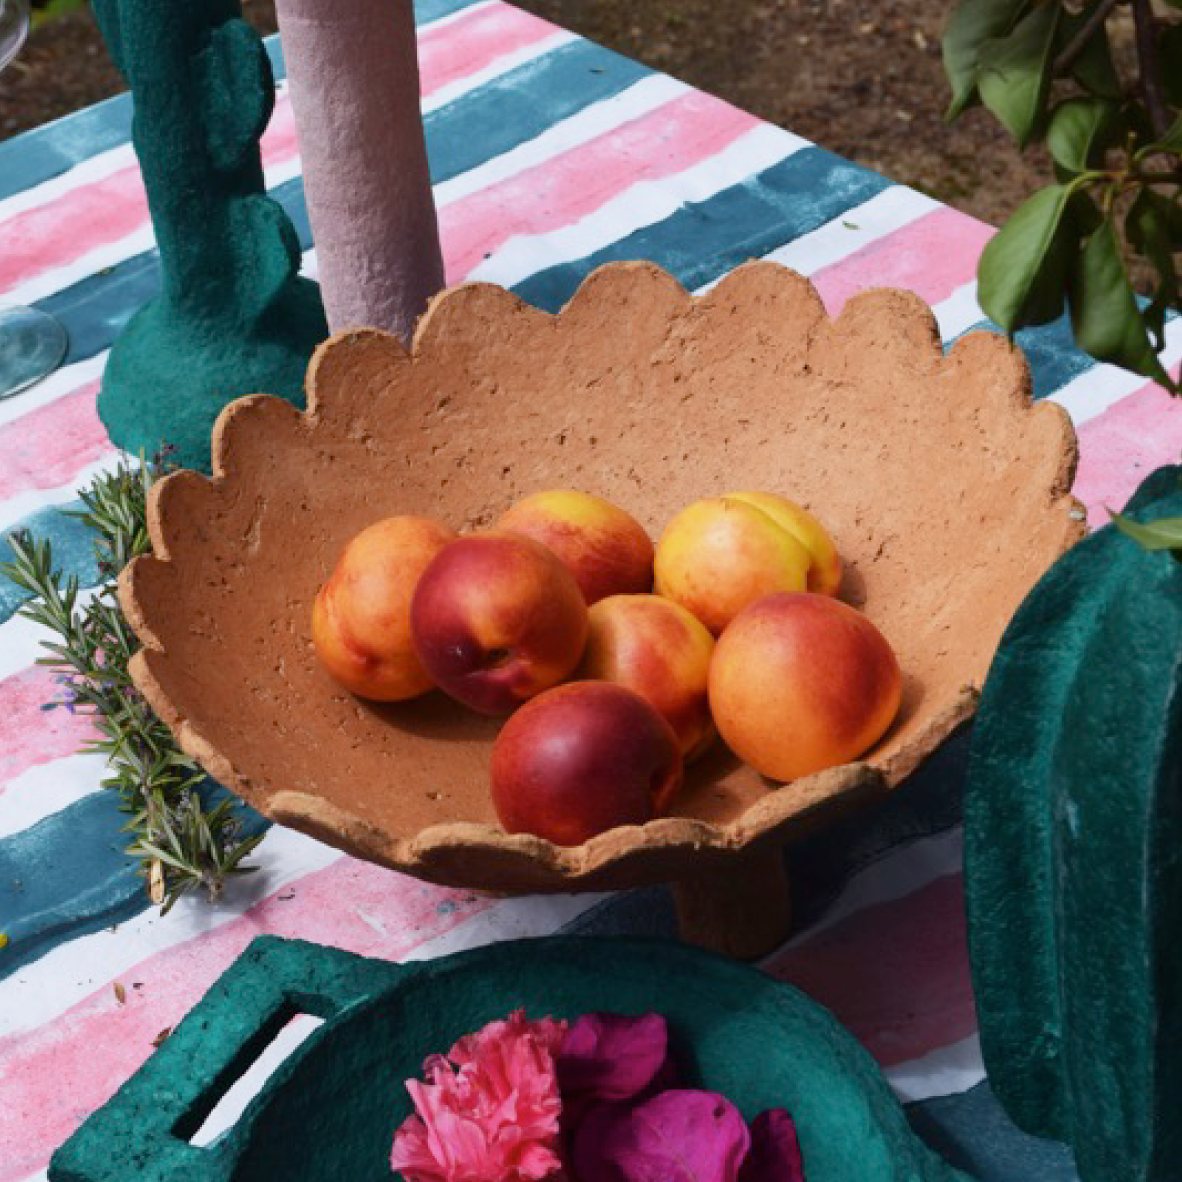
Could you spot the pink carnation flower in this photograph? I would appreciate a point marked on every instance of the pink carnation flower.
(488, 1111)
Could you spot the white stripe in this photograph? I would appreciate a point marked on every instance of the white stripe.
(227, 1111)
(14, 510)
(882, 215)
(607, 114)
(644, 204)
(21, 639)
(959, 312)
(903, 870)
(42, 991)
(511, 920)
(110, 254)
(47, 788)
(1093, 392)
(86, 172)
(59, 383)
(954, 1068)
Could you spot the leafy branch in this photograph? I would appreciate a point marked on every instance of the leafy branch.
(180, 842)
(1046, 70)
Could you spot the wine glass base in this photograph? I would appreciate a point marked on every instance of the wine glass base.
(32, 344)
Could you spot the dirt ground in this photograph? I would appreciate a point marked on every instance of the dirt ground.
(864, 80)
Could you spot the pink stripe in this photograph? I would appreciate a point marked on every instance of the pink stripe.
(559, 192)
(470, 43)
(896, 974)
(932, 256)
(29, 735)
(50, 445)
(59, 1073)
(45, 448)
(1119, 448)
(104, 211)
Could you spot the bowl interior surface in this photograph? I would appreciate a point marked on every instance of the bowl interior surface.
(945, 490)
(332, 1111)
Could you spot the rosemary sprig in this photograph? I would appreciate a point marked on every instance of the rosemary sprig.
(180, 842)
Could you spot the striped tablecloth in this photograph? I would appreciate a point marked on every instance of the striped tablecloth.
(549, 156)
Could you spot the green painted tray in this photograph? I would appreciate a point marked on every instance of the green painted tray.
(331, 1109)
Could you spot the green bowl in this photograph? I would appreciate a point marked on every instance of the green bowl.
(330, 1111)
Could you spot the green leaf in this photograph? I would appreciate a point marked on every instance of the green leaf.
(1014, 75)
(1094, 68)
(1172, 140)
(1163, 534)
(1022, 275)
(1079, 131)
(971, 25)
(1104, 313)
(1153, 227)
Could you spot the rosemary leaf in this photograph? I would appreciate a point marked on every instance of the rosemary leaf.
(179, 843)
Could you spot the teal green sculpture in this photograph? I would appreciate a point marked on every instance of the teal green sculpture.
(329, 1113)
(233, 316)
(1073, 855)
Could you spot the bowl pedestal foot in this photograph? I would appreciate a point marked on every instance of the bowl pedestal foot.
(743, 910)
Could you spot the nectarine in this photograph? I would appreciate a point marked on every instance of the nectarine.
(802, 682)
(606, 549)
(361, 616)
(717, 556)
(824, 562)
(657, 648)
(496, 619)
(581, 759)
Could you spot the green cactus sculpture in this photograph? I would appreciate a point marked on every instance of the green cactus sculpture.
(233, 316)
(1073, 854)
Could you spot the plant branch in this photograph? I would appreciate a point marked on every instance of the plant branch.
(1150, 67)
(180, 841)
(1079, 42)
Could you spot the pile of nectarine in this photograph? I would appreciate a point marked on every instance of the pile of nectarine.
(744, 636)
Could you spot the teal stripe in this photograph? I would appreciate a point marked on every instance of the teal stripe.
(704, 240)
(1050, 350)
(971, 1131)
(432, 10)
(477, 127)
(73, 551)
(67, 876)
(38, 155)
(44, 152)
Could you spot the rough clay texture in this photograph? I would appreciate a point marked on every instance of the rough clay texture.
(947, 493)
(352, 67)
(1073, 873)
(233, 317)
(330, 1111)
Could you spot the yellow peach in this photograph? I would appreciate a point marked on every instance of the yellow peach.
(825, 566)
(718, 555)
(605, 548)
(657, 648)
(361, 616)
(802, 682)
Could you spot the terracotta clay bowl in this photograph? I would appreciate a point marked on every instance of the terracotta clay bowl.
(945, 488)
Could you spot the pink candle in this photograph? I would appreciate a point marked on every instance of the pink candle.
(353, 71)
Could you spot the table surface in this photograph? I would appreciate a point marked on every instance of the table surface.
(549, 155)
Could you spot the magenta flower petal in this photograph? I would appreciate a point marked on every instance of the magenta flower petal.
(676, 1136)
(775, 1151)
(488, 1111)
(612, 1056)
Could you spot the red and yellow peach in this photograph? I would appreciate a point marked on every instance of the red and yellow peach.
(497, 619)
(361, 616)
